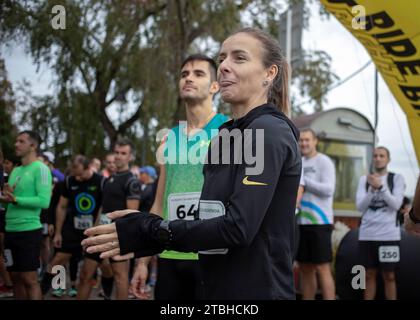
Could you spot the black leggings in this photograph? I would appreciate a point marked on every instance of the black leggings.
(74, 266)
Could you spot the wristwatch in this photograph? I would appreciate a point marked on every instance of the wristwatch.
(163, 233)
(413, 217)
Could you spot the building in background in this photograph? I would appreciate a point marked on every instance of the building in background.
(346, 136)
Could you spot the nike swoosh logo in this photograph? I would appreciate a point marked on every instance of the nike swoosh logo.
(246, 182)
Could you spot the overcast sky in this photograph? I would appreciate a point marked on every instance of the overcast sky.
(347, 55)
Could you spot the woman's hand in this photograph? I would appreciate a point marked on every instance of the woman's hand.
(104, 239)
(138, 282)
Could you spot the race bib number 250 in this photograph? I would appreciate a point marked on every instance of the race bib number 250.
(389, 253)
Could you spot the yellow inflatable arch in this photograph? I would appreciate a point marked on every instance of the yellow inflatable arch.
(390, 31)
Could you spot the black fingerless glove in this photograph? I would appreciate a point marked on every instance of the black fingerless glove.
(136, 233)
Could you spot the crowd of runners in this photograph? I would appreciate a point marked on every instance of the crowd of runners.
(45, 212)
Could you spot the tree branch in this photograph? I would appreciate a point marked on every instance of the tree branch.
(129, 122)
(116, 62)
(85, 78)
(108, 126)
(107, 103)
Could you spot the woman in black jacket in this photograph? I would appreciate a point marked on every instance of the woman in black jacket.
(244, 231)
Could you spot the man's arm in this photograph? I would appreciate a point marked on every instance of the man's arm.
(325, 187)
(363, 197)
(60, 214)
(157, 207)
(394, 200)
(132, 193)
(43, 187)
(133, 204)
(301, 190)
(98, 217)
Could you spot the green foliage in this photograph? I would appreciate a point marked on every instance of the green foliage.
(127, 53)
(7, 109)
(316, 67)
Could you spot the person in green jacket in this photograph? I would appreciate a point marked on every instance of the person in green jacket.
(27, 192)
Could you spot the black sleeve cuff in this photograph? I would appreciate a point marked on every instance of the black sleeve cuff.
(136, 234)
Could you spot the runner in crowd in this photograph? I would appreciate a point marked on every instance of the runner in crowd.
(77, 210)
(121, 191)
(180, 183)
(316, 219)
(379, 197)
(27, 192)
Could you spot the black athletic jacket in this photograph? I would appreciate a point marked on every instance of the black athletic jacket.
(256, 233)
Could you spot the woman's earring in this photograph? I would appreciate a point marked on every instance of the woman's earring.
(265, 83)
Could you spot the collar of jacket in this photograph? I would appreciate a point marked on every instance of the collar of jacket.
(267, 108)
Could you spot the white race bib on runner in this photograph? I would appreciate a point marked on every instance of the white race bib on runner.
(104, 219)
(389, 254)
(212, 209)
(8, 259)
(83, 222)
(183, 206)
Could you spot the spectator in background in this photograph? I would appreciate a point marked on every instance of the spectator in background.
(10, 161)
(379, 197)
(136, 171)
(95, 164)
(110, 167)
(28, 191)
(6, 287)
(48, 158)
(148, 191)
(47, 216)
(316, 219)
(7, 164)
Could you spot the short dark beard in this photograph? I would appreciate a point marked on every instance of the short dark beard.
(380, 170)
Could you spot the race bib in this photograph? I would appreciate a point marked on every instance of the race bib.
(389, 254)
(212, 209)
(104, 219)
(83, 222)
(8, 259)
(45, 229)
(183, 206)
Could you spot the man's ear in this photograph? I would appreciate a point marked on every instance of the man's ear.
(214, 87)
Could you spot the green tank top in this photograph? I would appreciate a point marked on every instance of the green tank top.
(184, 157)
(32, 188)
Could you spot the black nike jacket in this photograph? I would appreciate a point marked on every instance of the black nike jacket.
(245, 229)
